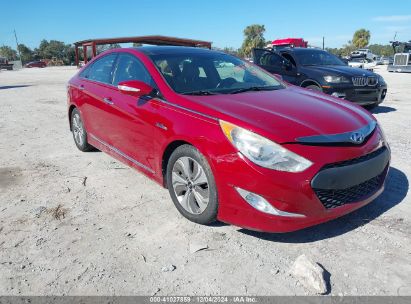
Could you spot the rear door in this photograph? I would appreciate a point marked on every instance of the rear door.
(276, 64)
(96, 86)
(269, 61)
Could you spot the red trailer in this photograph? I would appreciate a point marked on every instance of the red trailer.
(290, 42)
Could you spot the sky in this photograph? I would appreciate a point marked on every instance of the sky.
(221, 22)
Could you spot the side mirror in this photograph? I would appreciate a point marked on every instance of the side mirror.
(287, 65)
(134, 88)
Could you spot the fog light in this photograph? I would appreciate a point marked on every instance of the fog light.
(261, 204)
(338, 94)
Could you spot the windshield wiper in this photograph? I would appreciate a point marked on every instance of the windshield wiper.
(253, 89)
(200, 92)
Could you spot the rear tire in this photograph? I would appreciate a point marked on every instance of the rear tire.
(191, 184)
(79, 132)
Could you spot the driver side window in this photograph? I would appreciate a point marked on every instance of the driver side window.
(130, 68)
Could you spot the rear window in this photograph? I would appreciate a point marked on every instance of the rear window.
(101, 70)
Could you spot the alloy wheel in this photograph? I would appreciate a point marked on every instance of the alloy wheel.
(78, 129)
(190, 185)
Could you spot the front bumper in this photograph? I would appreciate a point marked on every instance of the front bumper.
(360, 95)
(355, 181)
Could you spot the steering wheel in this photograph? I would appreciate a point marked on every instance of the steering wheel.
(226, 83)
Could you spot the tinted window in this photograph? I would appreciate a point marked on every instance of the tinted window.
(101, 70)
(130, 68)
(317, 57)
(268, 58)
(211, 71)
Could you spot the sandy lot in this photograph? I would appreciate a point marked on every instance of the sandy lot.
(74, 223)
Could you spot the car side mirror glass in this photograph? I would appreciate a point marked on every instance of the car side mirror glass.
(134, 88)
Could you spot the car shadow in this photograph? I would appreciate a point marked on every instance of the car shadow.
(383, 109)
(14, 86)
(396, 188)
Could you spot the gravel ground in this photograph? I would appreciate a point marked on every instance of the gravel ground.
(74, 223)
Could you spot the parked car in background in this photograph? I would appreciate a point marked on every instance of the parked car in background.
(228, 140)
(322, 71)
(379, 61)
(363, 53)
(362, 63)
(5, 65)
(36, 64)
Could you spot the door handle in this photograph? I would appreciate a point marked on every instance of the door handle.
(108, 101)
(81, 87)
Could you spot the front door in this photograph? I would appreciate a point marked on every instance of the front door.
(133, 119)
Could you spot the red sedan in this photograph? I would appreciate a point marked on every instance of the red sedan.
(36, 64)
(228, 140)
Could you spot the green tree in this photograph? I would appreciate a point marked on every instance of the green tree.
(335, 51)
(227, 49)
(381, 50)
(231, 50)
(52, 48)
(55, 49)
(26, 53)
(41, 50)
(8, 52)
(361, 38)
(253, 38)
(104, 47)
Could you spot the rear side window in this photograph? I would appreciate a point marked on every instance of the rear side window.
(130, 68)
(101, 70)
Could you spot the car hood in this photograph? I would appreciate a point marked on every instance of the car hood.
(341, 70)
(286, 114)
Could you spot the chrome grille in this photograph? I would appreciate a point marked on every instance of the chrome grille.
(363, 81)
(359, 81)
(401, 59)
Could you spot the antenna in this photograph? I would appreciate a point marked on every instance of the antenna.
(18, 49)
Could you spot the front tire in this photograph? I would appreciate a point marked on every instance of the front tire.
(191, 184)
(313, 87)
(79, 132)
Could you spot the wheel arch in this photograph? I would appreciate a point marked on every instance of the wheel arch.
(71, 108)
(308, 82)
(169, 149)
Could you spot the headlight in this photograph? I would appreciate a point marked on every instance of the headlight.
(336, 79)
(263, 151)
(381, 79)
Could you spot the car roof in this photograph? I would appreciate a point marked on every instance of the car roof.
(301, 50)
(164, 50)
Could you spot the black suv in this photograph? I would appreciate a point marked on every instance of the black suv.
(319, 70)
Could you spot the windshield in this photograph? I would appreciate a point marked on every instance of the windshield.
(207, 73)
(317, 57)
